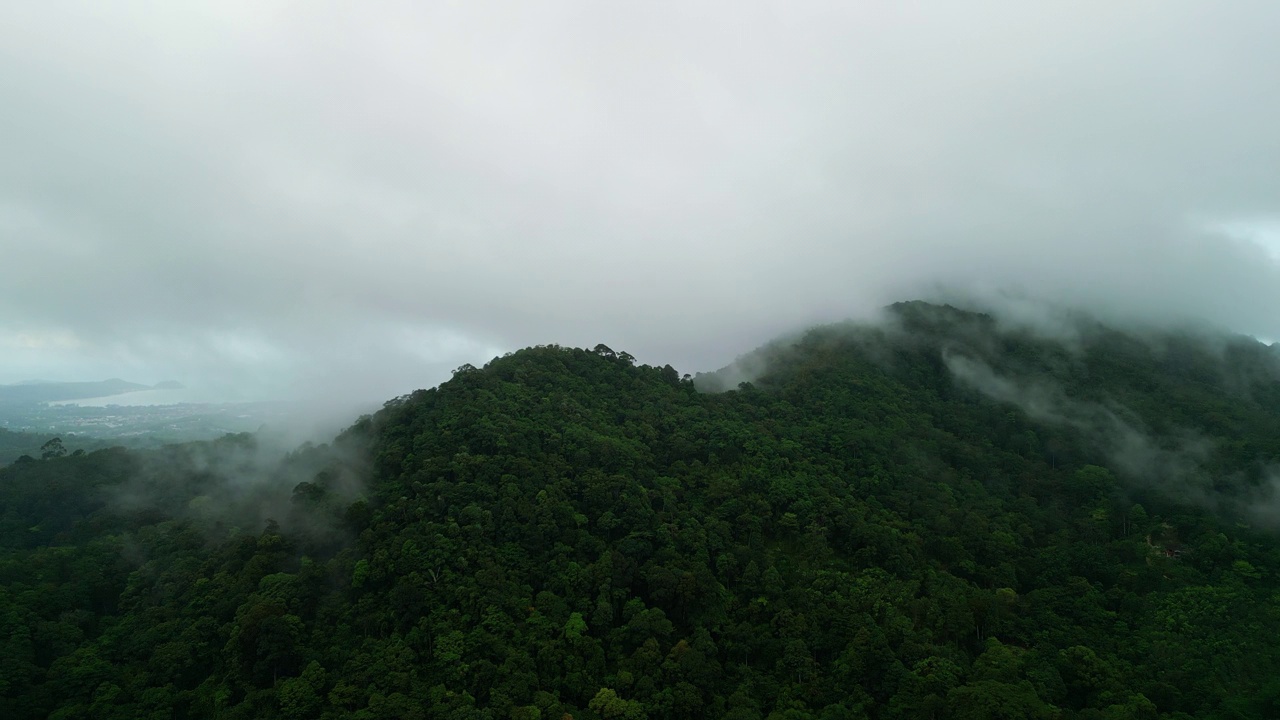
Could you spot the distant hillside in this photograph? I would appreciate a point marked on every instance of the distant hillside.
(933, 517)
(26, 393)
(13, 445)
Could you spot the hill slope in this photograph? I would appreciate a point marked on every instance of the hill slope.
(931, 518)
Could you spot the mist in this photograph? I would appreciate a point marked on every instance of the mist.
(1114, 430)
(239, 483)
(278, 200)
(1179, 465)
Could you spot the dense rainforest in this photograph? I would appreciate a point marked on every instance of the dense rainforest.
(936, 516)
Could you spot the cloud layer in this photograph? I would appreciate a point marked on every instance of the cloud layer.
(305, 196)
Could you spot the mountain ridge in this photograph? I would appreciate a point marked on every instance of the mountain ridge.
(59, 391)
(47, 391)
(866, 528)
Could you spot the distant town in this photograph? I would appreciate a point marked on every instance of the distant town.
(166, 423)
(90, 409)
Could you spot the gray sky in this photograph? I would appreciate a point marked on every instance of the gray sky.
(358, 197)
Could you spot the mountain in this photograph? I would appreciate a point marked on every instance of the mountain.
(933, 517)
(43, 392)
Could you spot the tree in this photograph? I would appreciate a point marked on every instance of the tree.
(608, 705)
(301, 697)
(994, 700)
(52, 449)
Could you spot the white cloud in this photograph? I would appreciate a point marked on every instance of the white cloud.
(681, 180)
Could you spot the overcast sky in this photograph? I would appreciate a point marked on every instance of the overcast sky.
(307, 196)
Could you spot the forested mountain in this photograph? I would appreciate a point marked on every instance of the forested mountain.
(933, 517)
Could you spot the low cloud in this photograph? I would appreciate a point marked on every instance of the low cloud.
(1114, 431)
(1180, 467)
(296, 199)
(240, 483)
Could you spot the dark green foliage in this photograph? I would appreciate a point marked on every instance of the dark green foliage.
(14, 445)
(853, 534)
